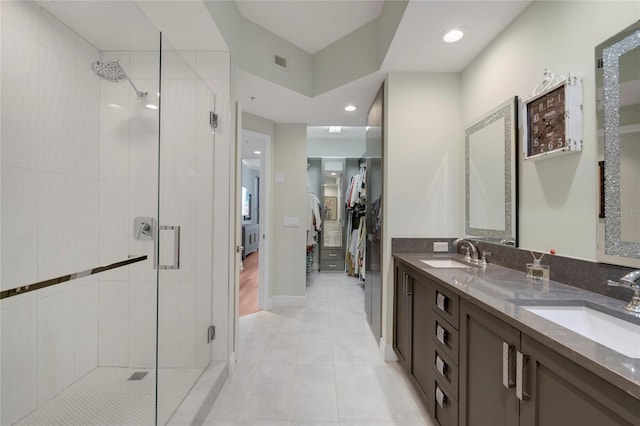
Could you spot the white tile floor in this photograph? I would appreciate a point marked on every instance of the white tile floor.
(316, 365)
(105, 396)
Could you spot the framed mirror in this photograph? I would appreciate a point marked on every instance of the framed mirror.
(333, 186)
(246, 204)
(618, 89)
(491, 175)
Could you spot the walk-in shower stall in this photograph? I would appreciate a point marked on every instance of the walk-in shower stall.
(107, 194)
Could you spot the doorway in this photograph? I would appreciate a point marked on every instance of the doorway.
(253, 287)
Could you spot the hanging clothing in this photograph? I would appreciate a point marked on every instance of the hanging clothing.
(356, 192)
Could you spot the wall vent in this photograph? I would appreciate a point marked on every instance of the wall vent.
(279, 60)
(599, 63)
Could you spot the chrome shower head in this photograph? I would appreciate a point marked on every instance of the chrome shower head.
(111, 71)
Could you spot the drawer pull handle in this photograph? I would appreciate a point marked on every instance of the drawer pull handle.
(332, 255)
(441, 365)
(507, 365)
(441, 398)
(521, 360)
(441, 334)
(441, 301)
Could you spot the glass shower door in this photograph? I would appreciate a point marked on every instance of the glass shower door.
(79, 191)
(185, 231)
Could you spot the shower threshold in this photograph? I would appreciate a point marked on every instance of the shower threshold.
(106, 396)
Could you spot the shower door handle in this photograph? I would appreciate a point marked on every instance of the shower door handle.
(176, 246)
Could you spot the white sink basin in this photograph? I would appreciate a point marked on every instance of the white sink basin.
(614, 333)
(444, 263)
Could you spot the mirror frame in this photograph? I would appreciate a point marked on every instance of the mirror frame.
(615, 250)
(509, 235)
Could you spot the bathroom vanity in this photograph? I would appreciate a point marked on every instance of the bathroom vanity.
(477, 349)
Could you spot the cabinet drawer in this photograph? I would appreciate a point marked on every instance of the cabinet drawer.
(447, 304)
(445, 370)
(445, 337)
(442, 405)
(331, 265)
(331, 254)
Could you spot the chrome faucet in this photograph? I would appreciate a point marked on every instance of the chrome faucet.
(473, 257)
(632, 281)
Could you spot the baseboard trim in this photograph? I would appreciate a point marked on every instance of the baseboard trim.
(288, 301)
(387, 351)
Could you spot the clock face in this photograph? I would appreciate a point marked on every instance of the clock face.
(546, 126)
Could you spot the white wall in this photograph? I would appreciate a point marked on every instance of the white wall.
(353, 56)
(288, 284)
(558, 196)
(421, 165)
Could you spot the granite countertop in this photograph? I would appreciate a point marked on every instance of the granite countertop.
(501, 291)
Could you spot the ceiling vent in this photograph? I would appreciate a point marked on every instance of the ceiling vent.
(280, 61)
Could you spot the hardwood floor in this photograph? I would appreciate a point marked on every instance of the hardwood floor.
(249, 285)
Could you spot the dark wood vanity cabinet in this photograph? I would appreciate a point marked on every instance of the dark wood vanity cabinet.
(426, 340)
(554, 389)
(464, 362)
(560, 392)
(402, 316)
(484, 400)
(411, 341)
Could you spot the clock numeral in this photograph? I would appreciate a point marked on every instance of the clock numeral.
(535, 142)
(559, 142)
(540, 106)
(536, 118)
(550, 146)
(535, 129)
(549, 102)
(541, 148)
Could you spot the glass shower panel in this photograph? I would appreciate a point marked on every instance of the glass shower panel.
(186, 227)
(79, 165)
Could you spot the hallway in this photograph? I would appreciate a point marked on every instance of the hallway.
(315, 365)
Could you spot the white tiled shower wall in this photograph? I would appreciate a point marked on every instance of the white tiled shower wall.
(75, 172)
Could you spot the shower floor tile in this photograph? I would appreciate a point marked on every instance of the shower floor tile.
(105, 396)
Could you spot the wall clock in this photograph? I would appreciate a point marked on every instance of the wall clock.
(553, 118)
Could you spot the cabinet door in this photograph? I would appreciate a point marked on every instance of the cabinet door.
(560, 392)
(402, 317)
(421, 344)
(484, 398)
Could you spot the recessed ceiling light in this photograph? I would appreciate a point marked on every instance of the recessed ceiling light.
(333, 173)
(151, 106)
(256, 152)
(350, 108)
(453, 35)
(335, 129)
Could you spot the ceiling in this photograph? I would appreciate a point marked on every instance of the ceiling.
(309, 24)
(416, 46)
